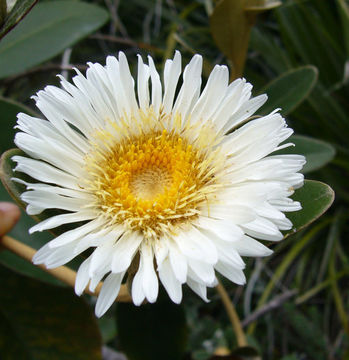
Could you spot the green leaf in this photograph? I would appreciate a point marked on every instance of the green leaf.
(318, 153)
(246, 353)
(261, 5)
(9, 110)
(15, 189)
(19, 10)
(289, 90)
(343, 8)
(48, 29)
(39, 321)
(231, 31)
(152, 331)
(20, 231)
(315, 198)
(310, 35)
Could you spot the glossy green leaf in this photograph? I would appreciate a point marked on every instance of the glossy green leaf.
(231, 23)
(17, 13)
(315, 198)
(246, 353)
(15, 189)
(20, 231)
(289, 90)
(48, 29)
(343, 8)
(9, 110)
(231, 31)
(309, 36)
(39, 321)
(152, 331)
(318, 153)
(261, 5)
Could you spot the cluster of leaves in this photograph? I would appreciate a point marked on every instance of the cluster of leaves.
(299, 51)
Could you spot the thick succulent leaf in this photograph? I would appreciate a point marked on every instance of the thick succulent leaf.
(231, 23)
(152, 331)
(15, 189)
(20, 231)
(231, 31)
(289, 90)
(39, 321)
(17, 13)
(48, 29)
(315, 198)
(9, 110)
(261, 5)
(318, 153)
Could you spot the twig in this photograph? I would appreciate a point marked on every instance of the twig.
(62, 273)
(66, 62)
(233, 316)
(126, 41)
(43, 68)
(271, 305)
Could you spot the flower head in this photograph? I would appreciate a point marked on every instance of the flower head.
(176, 187)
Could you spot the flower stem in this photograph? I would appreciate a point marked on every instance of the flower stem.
(233, 316)
(62, 273)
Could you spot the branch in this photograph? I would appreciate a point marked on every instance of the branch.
(62, 273)
(271, 305)
(233, 316)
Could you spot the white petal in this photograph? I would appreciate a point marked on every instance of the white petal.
(263, 229)
(230, 272)
(251, 247)
(161, 250)
(171, 284)
(191, 87)
(246, 110)
(44, 172)
(108, 294)
(172, 72)
(59, 220)
(124, 251)
(156, 87)
(76, 233)
(150, 282)
(142, 84)
(199, 289)
(179, 263)
(212, 95)
(194, 244)
(82, 277)
(203, 270)
(137, 292)
(225, 230)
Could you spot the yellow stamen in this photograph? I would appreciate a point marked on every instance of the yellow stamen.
(154, 179)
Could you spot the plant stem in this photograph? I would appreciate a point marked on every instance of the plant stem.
(233, 316)
(62, 273)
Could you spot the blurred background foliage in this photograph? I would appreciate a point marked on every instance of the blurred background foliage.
(295, 304)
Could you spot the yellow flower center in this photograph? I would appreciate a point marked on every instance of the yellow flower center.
(150, 181)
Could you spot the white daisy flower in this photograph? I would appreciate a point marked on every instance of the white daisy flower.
(175, 187)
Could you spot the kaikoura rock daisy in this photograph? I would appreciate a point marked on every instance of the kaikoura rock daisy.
(174, 187)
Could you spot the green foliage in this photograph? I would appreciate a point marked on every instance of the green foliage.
(152, 331)
(19, 10)
(300, 51)
(9, 110)
(315, 198)
(50, 28)
(289, 90)
(318, 153)
(39, 321)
